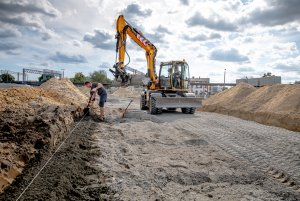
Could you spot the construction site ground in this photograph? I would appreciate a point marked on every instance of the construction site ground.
(172, 156)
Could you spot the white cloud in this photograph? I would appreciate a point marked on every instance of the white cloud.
(9, 31)
(135, 11)
(272, 12)
(228, 55)
(76, 43)
(60, 57)
(100, 39)
(214, 22)
(27, 15)
(185, 2)
(202, 37)
(288, 65)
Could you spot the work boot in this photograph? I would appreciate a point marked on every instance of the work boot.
(102, 113)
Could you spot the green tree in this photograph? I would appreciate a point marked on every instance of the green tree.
(6, 77)
(79, 78)
(268, 74)
(99, 76)
(45, 77)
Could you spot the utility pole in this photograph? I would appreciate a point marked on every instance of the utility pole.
(24, 78)
(224, 78)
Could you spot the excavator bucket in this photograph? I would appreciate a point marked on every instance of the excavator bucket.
(178, 102)
(121, 76)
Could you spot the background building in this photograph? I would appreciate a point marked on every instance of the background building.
(199, 86)
(262, 81)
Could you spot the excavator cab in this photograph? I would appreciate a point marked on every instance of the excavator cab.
(174, 75)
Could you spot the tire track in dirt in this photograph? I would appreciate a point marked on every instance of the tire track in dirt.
(167, 159)
(272, 150)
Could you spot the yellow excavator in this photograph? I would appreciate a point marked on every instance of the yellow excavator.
(167, 90)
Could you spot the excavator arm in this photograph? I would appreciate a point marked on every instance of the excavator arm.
(124, 29)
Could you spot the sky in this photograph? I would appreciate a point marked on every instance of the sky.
(245, 37)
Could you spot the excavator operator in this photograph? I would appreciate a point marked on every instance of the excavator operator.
(176, 77)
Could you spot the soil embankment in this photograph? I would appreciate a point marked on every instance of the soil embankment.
(33, 121)
(276, 105)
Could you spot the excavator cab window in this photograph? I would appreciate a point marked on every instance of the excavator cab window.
(177, 76)
(185, 73)
(180, 76)
(174, 75)
(165, 76)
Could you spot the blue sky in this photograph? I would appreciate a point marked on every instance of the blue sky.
(248, 38)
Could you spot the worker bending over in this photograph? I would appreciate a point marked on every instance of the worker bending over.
(100, 90)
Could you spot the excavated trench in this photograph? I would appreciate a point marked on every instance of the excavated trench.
(68, 175)
(24, 135)
(33, 122)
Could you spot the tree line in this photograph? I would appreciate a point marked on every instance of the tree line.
(96, 76)
(6, 77)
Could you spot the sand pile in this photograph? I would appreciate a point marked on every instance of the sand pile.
(234, 95)
(277, 105)
(57, 92)
(33, 121)
(84, 90)
(127, 92)
(22, 97)
(66, 88)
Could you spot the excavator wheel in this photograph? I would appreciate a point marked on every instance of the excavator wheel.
(185, 110)
(159, 111)
(143, 103)
(152, 105)
(153, 109)
(192, 110)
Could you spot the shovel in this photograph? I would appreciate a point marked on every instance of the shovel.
(86, 110)
(123, 115)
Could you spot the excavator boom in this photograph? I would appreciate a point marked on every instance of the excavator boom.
(124, 29)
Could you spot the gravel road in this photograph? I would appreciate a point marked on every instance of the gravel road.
(264, 146)
(270, 149)
(206, 156)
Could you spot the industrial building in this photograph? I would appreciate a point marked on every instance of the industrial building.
(200, 85)
(262, 81)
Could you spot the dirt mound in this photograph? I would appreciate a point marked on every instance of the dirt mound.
(84, 90)
(34, 120)
(66, 88)
(127, 92)
(23, 97)
(276, 105)
(234, 95)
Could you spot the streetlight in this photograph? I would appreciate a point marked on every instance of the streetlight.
(224, 78)
(63, 72)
